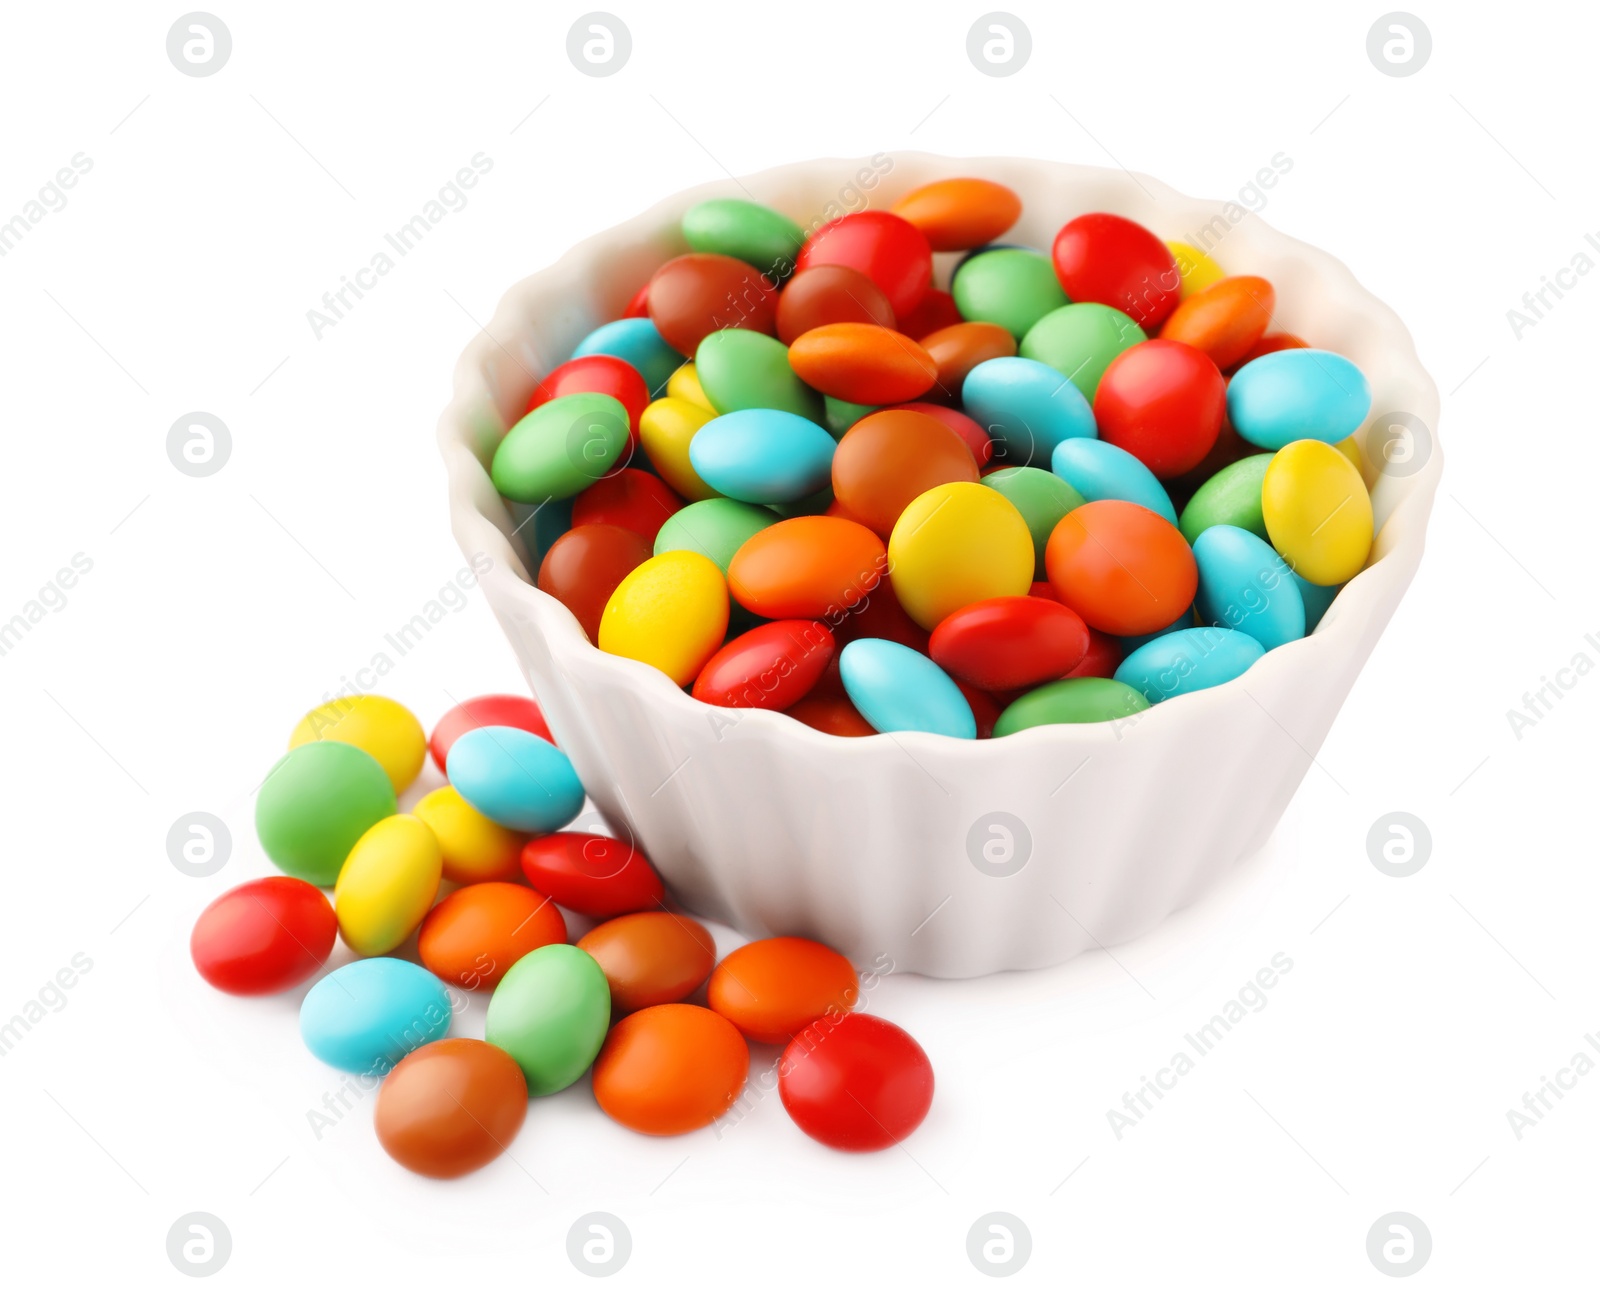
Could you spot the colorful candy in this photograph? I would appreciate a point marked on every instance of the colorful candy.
(762, 455)
(485, 710)
(651, 958)
(811, 567)
(380, 726)
(670, 1069)
(1108, 260)
(450, 1107)
(1317, 511)
(1190, 659)
(549, 1012)
(315, 803)
(855, 1082)
(585, 565)
(773, 988)
(863, 363)
(670, 612)
(700, 293)
(596, 875)
(956, 214)
(388, 884)
(1123, 568)
(560, 448)
(1245, 584)
(515, 778)
(1225, 320)
(830, 293)
(263, 936)
(956, 544)
(1079, 341)
(1027, 408)
(1163, 402)
(889, 458)
(770, 666)
(897, 688)
(1009, 642)
(628, 499)
(1011, 288)
(1071, 700)
(886, 248)
(473, 937)
(1100, 470)
(1298, 394)
(740, 370)
(472, 848)
(730, 226)
(369, 1014)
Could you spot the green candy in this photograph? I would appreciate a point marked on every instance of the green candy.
(550, 1013)
(740, 369)
(716, 528)
(814, 505)
(1074, 699)
(1079, 341)
(316, 803)
(838, 416)
(1042, 497)
(1011, 287)
(1231, 496)
(560, 448)
(747, 231)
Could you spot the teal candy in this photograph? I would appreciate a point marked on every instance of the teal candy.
(1317, 600)
(1245, 584)
(1180, 663)
(371, 1013)
(1099, 470)
(1027, 407)
(1298, 394)
(897, 688)
(763, 455)
(636, 341)
(515, 778)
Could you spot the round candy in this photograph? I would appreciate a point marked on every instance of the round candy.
(856, 1083)
(263, 936)
(515, 778)
(1027, 408)
(762, 455)
(685, 384)
(549, 1012)
(1011, 288)
(450, 1107)
(473, 848)
(888, 458)
(956, 350)
(665, 429)
(1178, 663)
(1041, 496)
(595, 875)
(1271, 343)
(387, 884)
(935, 310)
(560, 448)
(595, 374)
(770, 666)
(973, 435)
(1163, 402)
(897, 689)
(1298, 394)
(830, 293)
(584, 566)
(1101, 659)
(1123, 568)
(380, 726)
(956, 544)
(889, 250)
(1079, 342)
(840, 414)
(670, 1069)
(485, 710)
(693, 295)
(629, 499)
(730, 226)
(1196, 269)
(671, 612)
(955, 214)
(863, 363)
(1009, 642)
(1099, 470)
(651, 958)
(1317, 512)
(811, 567)
(716, 528)
(472, 937)
(369, 1014)
(1231, 496)
(1246, 585)
(1112, 261)
(832, 715)
(638, 305)
(741, 370)
(1225, 320)
(1076, 699)
(772, 988)
(315, 803)
(636, 341)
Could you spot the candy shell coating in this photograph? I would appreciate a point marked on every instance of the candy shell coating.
(809, 567)
(1231, 496)
(670, 1069)
(387, 885)
(742, 370)
(958, 213)
(1298, 394)
(315, 803)
(550, 1012)
(863, 363)
(473, 848)
(515, 779)
(1080, 340)
(1009, 643)
(762, 455)
(485, 710)
(898, 689)
(731, 226)
(383, 728)
(1317, 511)
(593, 874)
(1027, 409)
(956, 544)
(715, 528)
(636, 341)
(1123, 568)
(472, 937)
(1179, 663)
(1100, 470)
(1010, 288)
(776, 986)
(671, 612)
(263, 936)
(561, 448)
(652, 957)
(1246, 585)
(450, 1107)
(855, 1082)
(369, 1014)
(1071, 700)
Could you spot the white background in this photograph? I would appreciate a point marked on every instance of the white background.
(177, 278)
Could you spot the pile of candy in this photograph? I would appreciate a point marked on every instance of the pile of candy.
(799, 476)
(615, 1001)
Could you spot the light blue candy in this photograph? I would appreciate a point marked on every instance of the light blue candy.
(635, 341)
(1317, 599)
(897, 688)
(1190, 660)
(1245, 584)
(1099, 470)
(515, 778)
(762, 455)
(371, 1013)
(1027, 407)
(1298, 394)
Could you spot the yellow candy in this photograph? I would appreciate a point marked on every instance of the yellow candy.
(474, 848)
(684, 384)
(671, 612)
(375, 725)
(387, 884)
(1198, 270)
(1318, 514)
(956, 544)
(665, 429)
(1350, 449)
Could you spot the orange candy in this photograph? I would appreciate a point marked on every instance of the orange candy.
(887, 458)
(956, 214)
(1225, 320)
(1271, 343)
(773, 988)
(1124, 569)
(810, 567)
(450, 1107)
(472, 937)
(670, 1069)
(958, 349)
(650, 958)
(830, 714)
(830, 293)
(863, 363)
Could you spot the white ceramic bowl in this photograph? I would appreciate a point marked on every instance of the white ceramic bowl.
(886, 846)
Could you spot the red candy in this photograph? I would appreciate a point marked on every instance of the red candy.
(263, 936)
(888, 249)
(1163, 401)
(597, 876)
(584, 566)
(596, 374)
(830, 293)
(1101, 658)
(485, 710)
(855, 1082)
(771, 666)
(1108, 260)
(935, 310)
(630, 499)
(1009, 642)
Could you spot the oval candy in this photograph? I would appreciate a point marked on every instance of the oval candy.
(383, 728)
(1164, 403)
(830, 293)
(560, 448)
(637, 342)
(770, 666)
(369, 1014)
(693, 295)
(550, 1012)
(1080, 340)
(472, 937)
(670, 1069)
(810, 567)
(741, 370)
(1298, 394)
(1042, 497)
(1009, 642)
(593, 874)
(715, 528)
(856, 1083)
(1027, 409)
(1011, 288)
(315, 803)
(1317, 511)
(888, 458)
(863, 363)
(485, 710)
(628, 498)
(472, 847)
(1231, 496)
(1225, 320)
(1123, 568)
(1247, 586)
(956, 544)
(515, 779)
(888, 249)
(585, 565)
(764, 238)
(595, 374)
(651, 958)
(1071, 700)
(1099, 470)
(263, 936)
(1109, 260)
(897, 689)
(772, 988)
(387, 884)
(955, 214)
(762, 455)
(672, 613)
(450, 1107)
(1192, 659)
